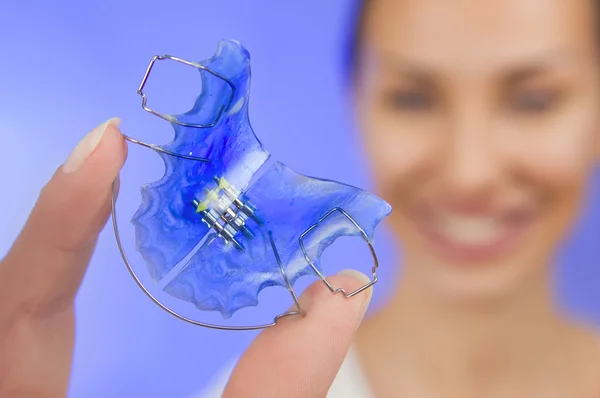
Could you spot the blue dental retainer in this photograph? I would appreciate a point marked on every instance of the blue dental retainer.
(223, 223)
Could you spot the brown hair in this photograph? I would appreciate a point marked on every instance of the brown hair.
(359, 22)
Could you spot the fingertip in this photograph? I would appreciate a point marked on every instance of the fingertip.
(101, 167)
(77, 198)
(86, 147)
(358, 281)
(111, 152)
(357, 275)
(346, 281)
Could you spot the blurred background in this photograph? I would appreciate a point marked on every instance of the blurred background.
(69, 65)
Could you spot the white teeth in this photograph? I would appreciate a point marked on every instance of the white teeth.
(469, 230)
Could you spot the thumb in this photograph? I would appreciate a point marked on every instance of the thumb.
(300, 357)
(43, 270)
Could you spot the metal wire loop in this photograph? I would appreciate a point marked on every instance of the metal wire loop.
(320, 274)
(171, 118)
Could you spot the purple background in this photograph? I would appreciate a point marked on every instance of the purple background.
(69, 65)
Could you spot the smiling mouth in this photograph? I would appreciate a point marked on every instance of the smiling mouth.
(470, 237)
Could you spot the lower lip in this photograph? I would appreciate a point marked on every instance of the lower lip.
(468, 252)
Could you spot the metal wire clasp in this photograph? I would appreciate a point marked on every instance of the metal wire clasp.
(173, 119)
(196, 65)
(320, 274)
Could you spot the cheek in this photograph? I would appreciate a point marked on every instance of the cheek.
(400, 153)
(559, 152)
(553, 161)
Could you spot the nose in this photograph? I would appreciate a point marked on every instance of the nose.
(471, 167)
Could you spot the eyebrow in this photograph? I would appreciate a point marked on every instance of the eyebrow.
(523, 74)
(401, 64)
(515, 72)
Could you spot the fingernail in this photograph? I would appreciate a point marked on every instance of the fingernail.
(359, 276)
(363, 279)
(86, 146)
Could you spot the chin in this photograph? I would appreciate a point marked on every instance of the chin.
(502, 280)
(489, 286)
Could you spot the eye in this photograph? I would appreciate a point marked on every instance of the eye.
(409, 100)
(534, 101)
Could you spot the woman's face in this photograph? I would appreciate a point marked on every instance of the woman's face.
(482, 123)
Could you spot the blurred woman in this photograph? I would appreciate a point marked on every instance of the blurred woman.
(482, 125)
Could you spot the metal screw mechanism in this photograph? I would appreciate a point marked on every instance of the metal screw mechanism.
(227, 214)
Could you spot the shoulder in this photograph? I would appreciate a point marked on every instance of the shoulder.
(217, 384)
(350, 381)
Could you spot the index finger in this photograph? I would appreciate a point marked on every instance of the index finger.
(42, 271)
(300, 357)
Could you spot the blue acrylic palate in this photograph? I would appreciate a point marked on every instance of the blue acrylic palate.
(238, 221)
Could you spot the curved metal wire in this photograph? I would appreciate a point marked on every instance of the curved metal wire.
(162, 150)
(171, 118)
(158, 302)
(365, 237)
(285, 277)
